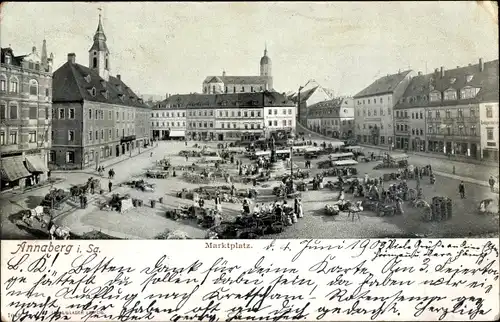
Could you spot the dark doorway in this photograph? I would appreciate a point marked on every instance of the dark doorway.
(123, 148)
(221, 137)
(117, 150)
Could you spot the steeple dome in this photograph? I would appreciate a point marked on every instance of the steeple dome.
(99, 53)
(265, 64)
(99, 38)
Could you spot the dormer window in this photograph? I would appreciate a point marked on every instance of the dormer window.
(469, 78)
(450, 94)
(469, 92)
(7, 59)
(105, 94)
(453, 80)
(435, 96)
(88, 78)
(93, 91)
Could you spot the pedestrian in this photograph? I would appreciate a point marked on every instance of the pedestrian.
(453, 169)
(461, 189)
(492, 183)
(48, 174)
(110, 185)
(151, 154)
(92, 187)
(81, 201)
(201, 202)
(185, 143)
(85, 201)
(300, 212)
(110, 173)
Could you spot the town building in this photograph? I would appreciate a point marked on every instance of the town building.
(451, 111)
(226, 117)
(374, 108)
(241, 84)
(168, 121)
(334, 118)
(25, 119)
(309, 94)
(95, 116)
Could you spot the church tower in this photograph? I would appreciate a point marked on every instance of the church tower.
(99, 53)
(265, 64)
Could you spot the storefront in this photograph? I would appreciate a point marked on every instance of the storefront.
(177, 135)
(36, 166)
(13, 172)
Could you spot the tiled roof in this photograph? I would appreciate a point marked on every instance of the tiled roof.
(383, 85)
(265, 98)
(243, 80)
(417, 92)
(16, 61)
(336, 102)
(74, 83)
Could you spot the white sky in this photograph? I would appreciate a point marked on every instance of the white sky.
(166, 47)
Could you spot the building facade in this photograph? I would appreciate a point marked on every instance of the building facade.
(228, 117)
(96, 116)
(374, 108)
(241, 84)
(308, 95)
(25, 119)
(451, 112)
(334, 118)
(488, 117)
(168, 122)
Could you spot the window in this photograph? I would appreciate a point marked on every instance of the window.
(234, 125)
(289, 122)
(450, 95)
(33, 87)
(473, 130)
(70, 157)
(13, 112)
(32, 113)
(438, 114)
(275, 112)
(413, 131)
(270, 123)
(275, 123)
(242, 88)
(102, 134)
(13, 137)
(258, 126)
(429, 129)
(90, 135)
(429, 114)
(448, 130)
(369, 113)
(489, 133)
(2, 138)
(222, 125)
(239, 113)
(448, 114)
(3, 85)
(97, 135)
(71, 114)
(3, 111)
(406, 127)
(252, 114)
(381, 100)
(397, 113)
(14, 85)
(252, 126)
(412, 116)
(374, 112)
(489, 112)
(435, 96)
(110, 134)
(205, 124)
(270, 112)
(246, 126)
(461, 130)
(389, 111)
(245, 113)
(460, 113)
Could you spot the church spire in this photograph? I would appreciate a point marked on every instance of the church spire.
(99, 34)
(44, 53)
(265, 48)
(99, 53)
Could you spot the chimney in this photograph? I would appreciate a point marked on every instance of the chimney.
(458, 67)
(470, 65)
(442, 71)
(72, 58)
(166, 96)
(33, 49)
(419, 73)
(481, 65)
(223, 73)
(436, 70)
(119, 76)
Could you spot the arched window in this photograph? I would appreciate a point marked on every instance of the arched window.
(107, 65)
(14, 85)
(33, 87)
(94, 62)
(93, 91)
(3, 83)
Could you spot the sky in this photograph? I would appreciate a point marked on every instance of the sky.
(167, 47)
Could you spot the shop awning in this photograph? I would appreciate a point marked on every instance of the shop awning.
(35, 164)
(177, 133)
(13, 169)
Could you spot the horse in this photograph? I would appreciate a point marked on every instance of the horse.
(484, 205)
(58, 232)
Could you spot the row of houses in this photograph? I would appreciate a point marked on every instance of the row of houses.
(451, 111)
(222, 117)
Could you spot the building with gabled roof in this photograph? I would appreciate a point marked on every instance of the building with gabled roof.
(334, 118)
(374, 108)
(25, 127)
(451, 111)
(95, 116)
(241, 84)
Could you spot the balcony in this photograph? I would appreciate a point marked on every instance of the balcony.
(127, 138)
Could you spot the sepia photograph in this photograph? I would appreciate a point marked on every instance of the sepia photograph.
(249, 120)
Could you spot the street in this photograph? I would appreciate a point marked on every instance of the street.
(146, 222)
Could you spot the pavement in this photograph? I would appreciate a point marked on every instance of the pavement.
(146, 222)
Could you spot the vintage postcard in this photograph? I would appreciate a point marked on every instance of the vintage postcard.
(249, 161)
